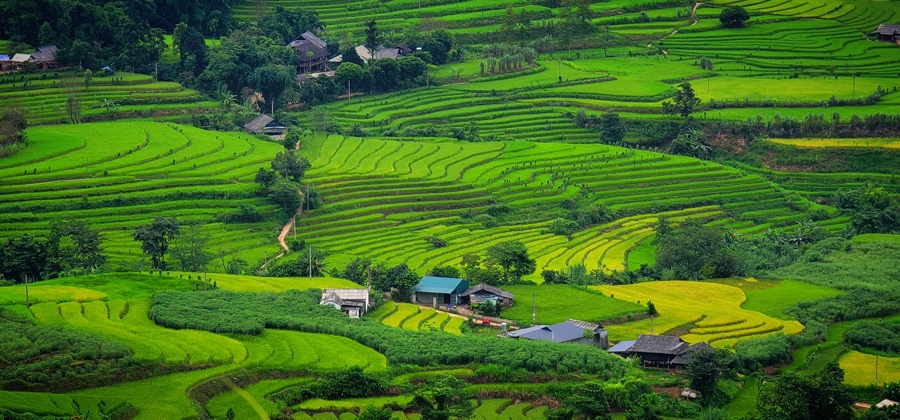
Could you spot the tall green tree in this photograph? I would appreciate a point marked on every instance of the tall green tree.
(290, 165)
(734, 17)
(443, 398)
(511, 259)
(191, 247)
(611, 128)
(272, 81)
(155, 239)
(706, 367)
(820, 396)
(72, 244)
(286, 194)
(589, 400)
(684, 101)
(23, 256)
(372, 37)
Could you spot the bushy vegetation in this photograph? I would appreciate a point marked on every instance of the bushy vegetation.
(34, 356)
(252, 313)
(881, 336)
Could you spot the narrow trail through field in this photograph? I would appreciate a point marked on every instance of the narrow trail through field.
(247, 397)
(290, 223)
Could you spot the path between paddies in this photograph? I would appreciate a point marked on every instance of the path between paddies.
(246, 396)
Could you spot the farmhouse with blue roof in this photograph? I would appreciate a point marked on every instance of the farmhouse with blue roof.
(440, 290)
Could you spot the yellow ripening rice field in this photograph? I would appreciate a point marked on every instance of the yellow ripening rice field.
(859, 369)
(712, 312)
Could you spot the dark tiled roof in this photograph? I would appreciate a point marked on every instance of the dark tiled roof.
(303, 47)
(887, 29)
(659, 344)
(311, 37)
(487, 288)
(45, 54)
(258, 123)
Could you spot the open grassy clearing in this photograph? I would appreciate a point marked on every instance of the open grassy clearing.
(134, 94)
(712, 313)
(122, 175)
(859, 369)
(557, 303)
(384, 198)
(773, 297)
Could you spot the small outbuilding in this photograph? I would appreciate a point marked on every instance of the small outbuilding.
(886, 403)
(664, 351)
(5, 63)
(264, 124)
(483, 292)
(888, 33)
(353, 302)
(438, 291)
(571, 331)
(45, 56)
(311, 52)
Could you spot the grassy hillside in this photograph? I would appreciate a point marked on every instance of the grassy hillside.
(45, 98)
(122, 175)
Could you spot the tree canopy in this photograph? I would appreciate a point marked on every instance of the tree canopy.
(734, 17)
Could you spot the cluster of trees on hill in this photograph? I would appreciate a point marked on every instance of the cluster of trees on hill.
(37, 356)
(71, 247)
(13, 121)
(96, 33)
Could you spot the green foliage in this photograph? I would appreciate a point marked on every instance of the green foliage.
(589, 400)
(706, 367)
(286, 194)
(874, 210)
(442, 398)
(251, 313)
(38, 354)
(23, 256)
(306, 264)
(350, 383)
(155, 239)
(684, 102)
(374, 413)
(191, 247)
(877, 335)
(697, 252)
(290, 165)
(733, 17)
(755, 353)
(612, 130)
(822, 395)
(510, 259)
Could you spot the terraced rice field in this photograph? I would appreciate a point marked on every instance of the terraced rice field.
(384, 198)
(122, 175)
(135, 94)
(491, 409)
(122, 315)
(711, 313)
(411, 317)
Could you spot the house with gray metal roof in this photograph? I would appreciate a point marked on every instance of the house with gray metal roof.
(664, 351)
(440, 291)
(482, 292)
(264, 124)
(354, 302)
(571, 331)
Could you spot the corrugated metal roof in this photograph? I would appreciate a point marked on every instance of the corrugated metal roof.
(445, 285)
(348, 294)
(4, 57)
(256, 126)
(561, 333)
(621, 347)
(487, 288)
(888, 29)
